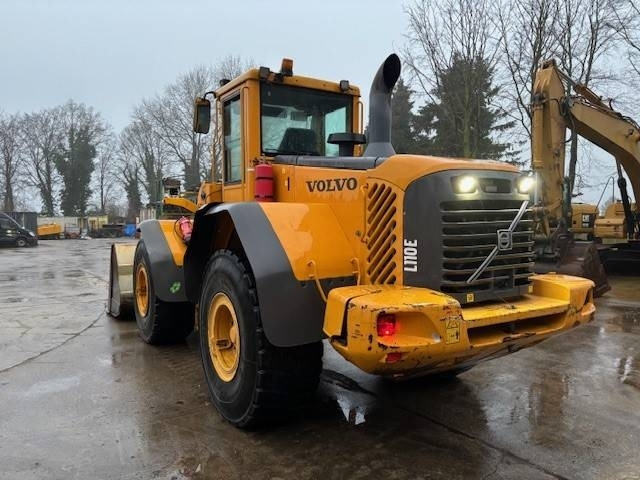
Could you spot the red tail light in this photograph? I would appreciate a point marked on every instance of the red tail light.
(393, 357)
(386, 324)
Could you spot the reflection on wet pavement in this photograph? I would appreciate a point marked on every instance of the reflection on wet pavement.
(629, 371)
(102, 404)
(627, 318)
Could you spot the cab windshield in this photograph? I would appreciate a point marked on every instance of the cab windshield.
(298, 121)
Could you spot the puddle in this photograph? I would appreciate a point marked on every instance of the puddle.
(353, 414)
(15, 300)
(351, 399)
(53, 386)
(629, 371)
(628, 319)
(73, 273)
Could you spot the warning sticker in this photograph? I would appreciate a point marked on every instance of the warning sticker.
(453, 331)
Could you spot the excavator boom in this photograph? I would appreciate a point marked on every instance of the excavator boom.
(586, 115)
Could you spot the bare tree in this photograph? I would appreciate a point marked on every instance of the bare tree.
(438, 32)
(42, 136)
(10, 157)
(453, 49)
(105, 173)
(144, 152)
(589, 31)
(169, 115)
(129, 174)
(629, 31)
(528, 31)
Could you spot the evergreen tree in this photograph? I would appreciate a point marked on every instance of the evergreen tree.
(75, 164)
(84, 130)
(402, 134)
(461, 116)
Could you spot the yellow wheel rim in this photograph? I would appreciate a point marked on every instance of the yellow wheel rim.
(142, 290)
(223, 337)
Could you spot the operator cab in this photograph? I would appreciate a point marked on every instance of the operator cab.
(294, 117)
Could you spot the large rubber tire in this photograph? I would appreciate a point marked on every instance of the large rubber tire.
(266, 382)
(158, 322)
(21, 242)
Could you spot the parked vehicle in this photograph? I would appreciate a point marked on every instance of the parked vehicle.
(409, 265)
(12, 234)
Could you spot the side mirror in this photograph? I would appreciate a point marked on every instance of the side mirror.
(201, 115)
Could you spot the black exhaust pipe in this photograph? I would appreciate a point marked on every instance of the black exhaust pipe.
(379, 141)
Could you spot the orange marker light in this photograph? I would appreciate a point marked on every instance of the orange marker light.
(287, 67)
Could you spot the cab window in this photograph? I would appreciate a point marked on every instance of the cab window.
(298, 121)
(232, 141)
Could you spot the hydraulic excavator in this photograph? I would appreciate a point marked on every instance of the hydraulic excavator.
(408, 265)
(590, 117)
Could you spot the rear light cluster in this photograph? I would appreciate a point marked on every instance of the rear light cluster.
(386, 324)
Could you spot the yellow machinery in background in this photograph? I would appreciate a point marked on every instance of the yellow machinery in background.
(409, 265)
(583, 219)
(50, 231)
(590, 117)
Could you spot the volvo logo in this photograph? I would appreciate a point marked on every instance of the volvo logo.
(505, 240)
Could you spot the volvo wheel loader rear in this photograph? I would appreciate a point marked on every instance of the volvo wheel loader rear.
(407, 264)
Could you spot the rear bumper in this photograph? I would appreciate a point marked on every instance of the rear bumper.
(433, 333)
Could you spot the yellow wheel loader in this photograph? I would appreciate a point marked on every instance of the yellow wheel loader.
(408, 265)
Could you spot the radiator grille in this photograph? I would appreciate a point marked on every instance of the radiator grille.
(469, 233)
(381, 234)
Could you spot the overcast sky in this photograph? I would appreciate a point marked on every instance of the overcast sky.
(110, 54)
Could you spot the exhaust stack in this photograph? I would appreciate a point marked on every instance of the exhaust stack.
(379, 141)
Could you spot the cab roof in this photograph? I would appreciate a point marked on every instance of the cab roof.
(293, 80)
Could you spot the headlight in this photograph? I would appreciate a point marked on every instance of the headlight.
(31, 233)
(466, 184)
(525, 184)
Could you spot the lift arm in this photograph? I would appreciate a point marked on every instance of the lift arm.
(587, 115)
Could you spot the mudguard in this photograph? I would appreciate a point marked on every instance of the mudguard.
(291, 306)
(166, 250)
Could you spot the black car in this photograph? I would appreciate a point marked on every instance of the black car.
(12, 234)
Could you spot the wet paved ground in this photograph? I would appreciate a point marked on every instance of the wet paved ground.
(82, 397)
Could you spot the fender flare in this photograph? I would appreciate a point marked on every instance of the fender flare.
(168, 278)
(292, 311)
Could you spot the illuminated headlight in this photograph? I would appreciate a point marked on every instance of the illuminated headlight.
(526, 184)
(466, 184)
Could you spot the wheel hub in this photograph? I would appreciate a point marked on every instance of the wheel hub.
(223, 337)
(142, 290)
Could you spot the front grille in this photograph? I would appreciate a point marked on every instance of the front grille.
(469, 233)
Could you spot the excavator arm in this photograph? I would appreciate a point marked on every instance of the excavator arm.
(585, 114)
(553, 112)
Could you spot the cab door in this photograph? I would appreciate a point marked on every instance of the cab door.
(233, 171)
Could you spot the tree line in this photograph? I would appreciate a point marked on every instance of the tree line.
(71, 156)
(466, 91)
(472, 66)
